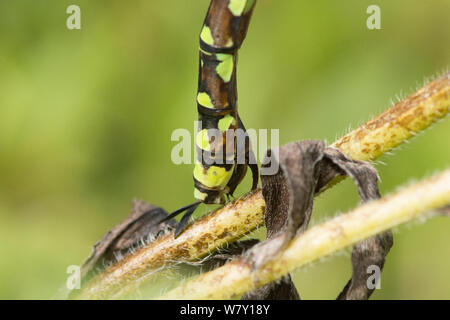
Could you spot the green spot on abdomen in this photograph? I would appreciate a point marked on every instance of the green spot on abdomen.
(199, 195)
(202, 140)
(225, 123)
(237, 6)
(206, 35)
(205, 100)
(225, 68)
(213, 177)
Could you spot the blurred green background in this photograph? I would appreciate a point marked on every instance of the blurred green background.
(86, 118)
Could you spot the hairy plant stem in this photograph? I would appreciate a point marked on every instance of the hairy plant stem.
(369, 141)
(236, 277)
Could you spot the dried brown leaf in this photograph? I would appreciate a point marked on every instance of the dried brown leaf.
(305, 168)
(140, 226)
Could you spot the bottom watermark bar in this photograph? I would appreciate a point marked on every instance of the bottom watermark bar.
(236, 309)
(209, 309)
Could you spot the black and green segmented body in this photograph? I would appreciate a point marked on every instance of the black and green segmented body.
(218, 171)
(223, 32)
